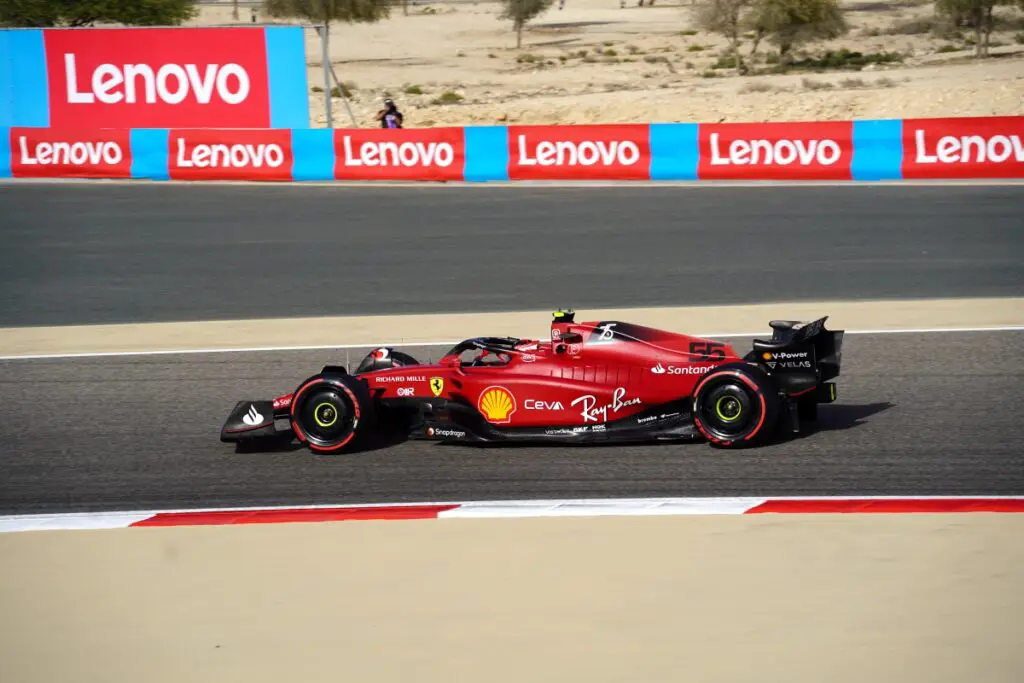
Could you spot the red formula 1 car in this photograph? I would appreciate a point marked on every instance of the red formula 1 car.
(591, 382)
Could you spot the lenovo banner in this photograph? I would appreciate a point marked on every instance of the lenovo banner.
(399, 154)
(862, 151)
(47, 153)
(964, 148)
(776, 151)
(230, 155)
(615, 152)
(156, 78)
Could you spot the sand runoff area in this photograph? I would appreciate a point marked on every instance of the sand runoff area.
(428, 328)
(837, 598)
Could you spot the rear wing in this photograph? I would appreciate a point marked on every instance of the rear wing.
(792, 334)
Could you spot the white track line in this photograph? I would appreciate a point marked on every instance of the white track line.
(480, 509)
(325, 347)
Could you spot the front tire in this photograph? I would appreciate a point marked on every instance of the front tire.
(327, 413)
(736, 405)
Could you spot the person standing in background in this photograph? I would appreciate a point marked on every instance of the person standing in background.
(390, 117)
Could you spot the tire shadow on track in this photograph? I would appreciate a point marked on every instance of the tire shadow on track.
(839, 417)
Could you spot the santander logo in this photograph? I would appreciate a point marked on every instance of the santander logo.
(579, 152)
(158, 78)
(403, 154)
(771, 151)
(230, 155)
(971, 147)
(42, 152)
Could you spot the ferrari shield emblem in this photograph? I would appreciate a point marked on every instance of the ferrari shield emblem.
(437, 385)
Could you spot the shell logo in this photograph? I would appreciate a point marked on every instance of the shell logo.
(497, 404)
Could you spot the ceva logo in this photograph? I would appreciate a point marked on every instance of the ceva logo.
(230, 155)
(399, 154)
(47, 153)
(776, 151)
(964, 148)
(616, 152)
(158, 78)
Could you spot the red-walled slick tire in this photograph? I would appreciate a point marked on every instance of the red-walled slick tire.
(736, 405)
(328, 412)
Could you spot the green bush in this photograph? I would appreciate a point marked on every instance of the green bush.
(815, 85)
(912, 27)
(346, 90)
(449, 97)
(846, 59)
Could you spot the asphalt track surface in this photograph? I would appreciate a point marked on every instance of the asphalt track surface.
(921, 414)
(107, 253)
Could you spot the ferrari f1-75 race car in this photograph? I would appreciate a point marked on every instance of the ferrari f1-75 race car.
(604, 381)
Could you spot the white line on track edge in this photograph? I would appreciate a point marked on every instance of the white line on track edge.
(466, 509)
(322, 347)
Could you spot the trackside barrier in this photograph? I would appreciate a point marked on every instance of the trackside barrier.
(149, 77)
(987, 147)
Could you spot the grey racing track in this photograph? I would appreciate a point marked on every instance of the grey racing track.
(917, 414)
(104, 253)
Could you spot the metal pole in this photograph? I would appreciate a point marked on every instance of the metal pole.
(344, 98)
(325, 63)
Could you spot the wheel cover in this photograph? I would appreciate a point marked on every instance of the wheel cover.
(325, 414)
(325, 417)
(728, 410)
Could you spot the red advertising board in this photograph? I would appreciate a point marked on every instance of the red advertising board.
(613, 152)
(776, 151)
(399, 154)
(158, 78)
(48, 153)
(989, 147)
(203, 154)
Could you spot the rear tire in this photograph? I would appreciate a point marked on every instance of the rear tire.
(736, 405)
(327, 413)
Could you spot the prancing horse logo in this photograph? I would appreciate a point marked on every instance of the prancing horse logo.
(437, 385)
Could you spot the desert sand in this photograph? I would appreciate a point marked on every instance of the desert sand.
(594, 62)
(802, 599)
(434, 328)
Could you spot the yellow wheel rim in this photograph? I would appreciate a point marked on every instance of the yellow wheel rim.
(728, 408)
(325, 415)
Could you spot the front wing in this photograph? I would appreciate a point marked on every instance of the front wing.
(250, 421)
